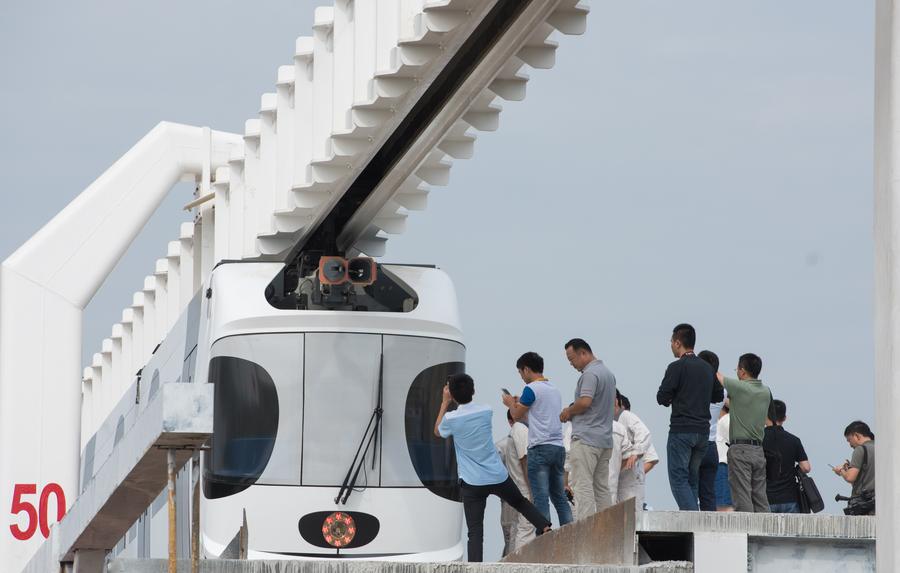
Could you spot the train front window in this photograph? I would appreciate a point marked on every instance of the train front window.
(245, 425)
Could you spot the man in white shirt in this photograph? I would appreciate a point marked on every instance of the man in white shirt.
(621, 452)
(513, 449)
(651, 458)
(631, 478)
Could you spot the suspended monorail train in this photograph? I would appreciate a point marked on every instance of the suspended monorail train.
(323, 427)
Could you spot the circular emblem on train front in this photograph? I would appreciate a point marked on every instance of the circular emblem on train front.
(338, 529)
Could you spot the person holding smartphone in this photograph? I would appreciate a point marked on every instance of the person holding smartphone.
(481, 471)
(541, 403)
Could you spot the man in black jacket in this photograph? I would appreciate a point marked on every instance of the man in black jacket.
(781, 486)
(689, 387)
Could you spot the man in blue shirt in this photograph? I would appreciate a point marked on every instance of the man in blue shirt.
(481, 472)
(541, 404)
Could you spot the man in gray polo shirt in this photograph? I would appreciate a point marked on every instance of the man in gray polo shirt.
(592, 440)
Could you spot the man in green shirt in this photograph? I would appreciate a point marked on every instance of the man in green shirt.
(749, 404)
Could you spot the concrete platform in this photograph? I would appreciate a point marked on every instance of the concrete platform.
(226, 566)
(759, 524)
(629, 541)
(758, 542)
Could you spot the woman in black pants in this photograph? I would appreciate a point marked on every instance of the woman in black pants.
(481, 471)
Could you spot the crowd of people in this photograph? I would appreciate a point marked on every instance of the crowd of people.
(727, 448)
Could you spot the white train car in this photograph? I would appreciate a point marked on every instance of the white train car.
(323, 432)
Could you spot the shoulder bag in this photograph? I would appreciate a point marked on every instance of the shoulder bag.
(808, 494)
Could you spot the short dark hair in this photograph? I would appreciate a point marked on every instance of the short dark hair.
(710, 358)
(685, 334)
(462, 388)
(751, 363)
(509, 416)
(859, 427)
(578, 344)
(626, 403)
(531, 360)
(777, 411)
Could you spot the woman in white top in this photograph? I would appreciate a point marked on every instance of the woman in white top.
(723, 490)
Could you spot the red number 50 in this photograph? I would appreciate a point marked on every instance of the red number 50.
(35, 517)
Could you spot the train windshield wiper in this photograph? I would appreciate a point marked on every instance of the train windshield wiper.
(370, 436)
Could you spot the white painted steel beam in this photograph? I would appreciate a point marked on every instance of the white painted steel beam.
(45, 285)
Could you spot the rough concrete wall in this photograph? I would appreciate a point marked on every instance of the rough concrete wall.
(760, 524)
(771, 555)
(606, 537)
(223, 566)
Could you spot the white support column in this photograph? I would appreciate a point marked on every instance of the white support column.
(116, 338)
(304, 102)
(222, 231)
(97, 385)
(176, 303)
(189, 274)
(138, 353)
(887, 283)
(87, 405)
(207, 251)
(365, 48)
(127, 348)
(151, 336)
(268, 156)
(284, 132)
(251, 181)
(108, 389)
(238, 244)
(343, 49)
(323, 82)
(161, 275)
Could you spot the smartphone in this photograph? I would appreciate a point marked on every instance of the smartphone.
(505, 391)
(831, 466)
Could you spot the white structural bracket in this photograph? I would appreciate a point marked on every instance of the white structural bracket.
(44, 287)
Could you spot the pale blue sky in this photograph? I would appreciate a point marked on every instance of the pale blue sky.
(700, 161)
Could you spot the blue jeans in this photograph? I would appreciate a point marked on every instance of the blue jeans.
(723, 490)
(792, 507)
(685, 452)
(546, 464)
(708, 469)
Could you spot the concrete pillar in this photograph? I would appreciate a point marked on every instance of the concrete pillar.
(715, 552)
(887, 282)
(90, 561)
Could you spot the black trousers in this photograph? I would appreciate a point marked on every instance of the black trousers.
(474, 500)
